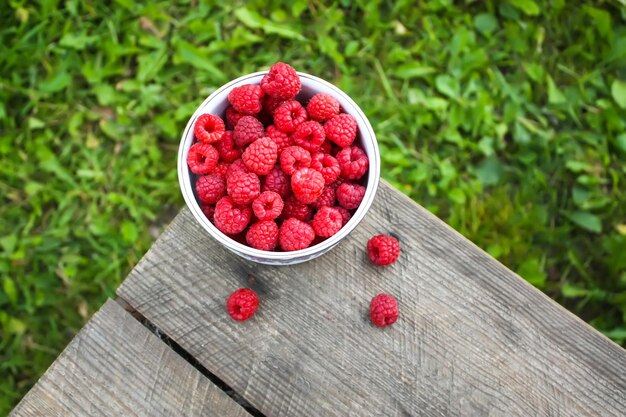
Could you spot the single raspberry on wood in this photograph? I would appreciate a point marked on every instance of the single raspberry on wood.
(263, 235)
(326, 199)
(281, 139)
(278, 182)
(242, 304)
(295, 234)
(353, 162)
(226, 148)
(236, 167)
(383, 250)
(289, 115)
(327, 165)
(281, 82)
(202, 158)
(210, 188)
(246, 98)
(350, 195)
(233, 116)
(208, 210)
(309, 135)
(243, 187)
(231, 218)
(383, 310)
(322, 107)
(294, 158)
(296, 209)
(247, 131)
(209, 128)
(307, 185)
(327, 221)
(260, 157)
(267, 206)
(341, 129)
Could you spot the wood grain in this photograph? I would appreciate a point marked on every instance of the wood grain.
(116, 367)
(473, 338)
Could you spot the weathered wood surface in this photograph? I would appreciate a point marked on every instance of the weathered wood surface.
(473, 338)
(116, 367)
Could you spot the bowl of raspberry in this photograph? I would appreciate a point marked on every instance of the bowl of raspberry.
(278, 166)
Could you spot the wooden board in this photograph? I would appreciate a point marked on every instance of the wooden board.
(473, 338)
(117, 367)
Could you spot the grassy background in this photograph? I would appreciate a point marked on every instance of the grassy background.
(505, 118)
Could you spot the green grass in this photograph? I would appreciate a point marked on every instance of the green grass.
(505, 118)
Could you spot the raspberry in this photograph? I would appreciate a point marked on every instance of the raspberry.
(208, 210)
(209, 128)
(345, 215)
(202, 158)
(327, 221)
(337, 183)
(327, 166)
(281, 139)
(263, 235)
(350, 195)
(309, 135)
(383, 310)
(246, 99)
(278, 182)
(307, 185)
(242, 304)
(210, 188)
(221, 169)
(235, 168)
(226, 147)
(294, 158)
(353, 162)
(247, 131)
(260, 157)
(281, 81)
(231, 218)
(271, 103)
(341, 129)
(268, 205)
(289, 115)
(296, 209)
(326, 199)
(243, 187)
(233, 117)
(322, 107)
(295, 234)
(383, 250)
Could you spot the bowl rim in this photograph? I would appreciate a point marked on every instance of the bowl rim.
(184, 179)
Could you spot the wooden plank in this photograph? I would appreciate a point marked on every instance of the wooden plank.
(116, 367)
(473, 338)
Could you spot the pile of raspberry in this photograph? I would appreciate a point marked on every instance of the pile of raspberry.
(287, 174)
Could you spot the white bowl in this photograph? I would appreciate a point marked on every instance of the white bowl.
(216, 103)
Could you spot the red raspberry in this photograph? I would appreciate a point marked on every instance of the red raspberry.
(294, 158)
(383, 250)
(226, 147)
(231, 218)
(247, 98)
(281, 81)
(235, 168)
(383, 310)
(233, 117)
(350, 195)
(202, 158)
(208, 210)
(221, 169)
(327, 147)
(210, 188)
(278, 182)
(247, 131)
(309, 135)
(289, 115)
(209, 128)
(353, 162)
(345, 214)
(296, 209)
(295, 234)
(268, 205)
(327, 166)
(337, 183)
(271, 103)
(281, 139)
(260, 157)
(307, 185)
(341, 129)
(243, 187)
(326, 199)
(263, 235)
(327, 221)
(242, 304)
(322, 107)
